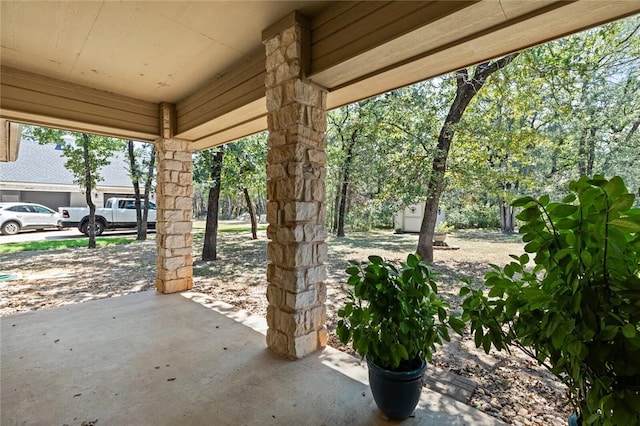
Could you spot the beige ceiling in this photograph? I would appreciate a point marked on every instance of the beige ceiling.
(104, 66)
(158, 51)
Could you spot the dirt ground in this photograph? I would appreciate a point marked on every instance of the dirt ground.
(511, 387)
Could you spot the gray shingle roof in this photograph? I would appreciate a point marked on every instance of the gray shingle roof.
(45, 164)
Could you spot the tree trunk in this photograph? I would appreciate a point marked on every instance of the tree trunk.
(147, 191)
(582, 164)
(88, 189)
(591, 153)
(506, 218)
(466, 89)
(252, 214)
(209, 249)
(135, 179)
(344, 187)
(336, 207)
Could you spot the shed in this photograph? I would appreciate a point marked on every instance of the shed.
(409, 219)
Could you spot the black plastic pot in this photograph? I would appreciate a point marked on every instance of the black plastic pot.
(396, 393)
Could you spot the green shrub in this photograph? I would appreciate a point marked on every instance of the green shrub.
(474, 216)
(578, 311)
(393, 315)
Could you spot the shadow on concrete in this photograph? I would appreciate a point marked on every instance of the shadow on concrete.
(151, 359)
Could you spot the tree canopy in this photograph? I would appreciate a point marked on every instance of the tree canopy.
(558, 111)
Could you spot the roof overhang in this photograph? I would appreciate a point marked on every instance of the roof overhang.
(106, 67)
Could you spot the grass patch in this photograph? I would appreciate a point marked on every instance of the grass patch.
(61, 244)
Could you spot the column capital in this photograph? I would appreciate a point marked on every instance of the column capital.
(294, 29)
(167, 119)
(292, 19)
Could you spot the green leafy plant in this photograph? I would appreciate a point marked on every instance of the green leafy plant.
(444, 227)
(394, 316)
(577, 311)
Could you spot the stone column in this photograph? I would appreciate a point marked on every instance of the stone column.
(296, 194)
(174, 261)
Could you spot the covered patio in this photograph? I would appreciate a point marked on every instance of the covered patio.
(189, 76)
(149, 359)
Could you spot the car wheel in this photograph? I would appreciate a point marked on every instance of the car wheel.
(10, 228)
(99, 227)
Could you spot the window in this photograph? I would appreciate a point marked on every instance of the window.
(127, 204)
(19, 209)
(40, 209)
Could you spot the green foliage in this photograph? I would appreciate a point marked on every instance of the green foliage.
(226, 228)
(559, 111)
(473, 215)
(100, 151)
(578, 310)
(86, 154)
(394, 135)
(203, 163)
(143, 169)
(365, 215)
(444, 226)
(243, 167)
(394, 315)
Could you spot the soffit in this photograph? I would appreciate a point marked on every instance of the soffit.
(157, 51)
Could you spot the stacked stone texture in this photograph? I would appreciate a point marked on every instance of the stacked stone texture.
(174, 261)
(296, 201)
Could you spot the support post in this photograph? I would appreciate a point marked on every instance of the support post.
(174, 191)
(296, 209)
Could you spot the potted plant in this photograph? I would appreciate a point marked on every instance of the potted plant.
(441, 231)
(394, 318)
(577, 311)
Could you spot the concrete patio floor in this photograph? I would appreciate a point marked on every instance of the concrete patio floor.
(182, 359)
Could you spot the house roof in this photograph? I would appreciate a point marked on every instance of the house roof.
(44, 164)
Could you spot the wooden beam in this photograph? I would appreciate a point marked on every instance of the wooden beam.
(9, 140)
(243, 85)
(244, 121)
(231, 134)
(39, 100)
(352, 30)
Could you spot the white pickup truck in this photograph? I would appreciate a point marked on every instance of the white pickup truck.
(117, 213)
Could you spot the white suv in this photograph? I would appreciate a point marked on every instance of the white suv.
(15, 217)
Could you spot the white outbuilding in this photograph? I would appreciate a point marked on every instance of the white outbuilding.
(409, 219)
